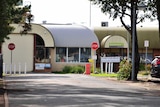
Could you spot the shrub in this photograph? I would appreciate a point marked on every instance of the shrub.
(67, 69)
(77, 69)
(74, 69)
(144, 67)
(124, 70)
(97, 71)
(141, 66)
(148, 67)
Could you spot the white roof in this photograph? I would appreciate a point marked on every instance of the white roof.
(69, 35)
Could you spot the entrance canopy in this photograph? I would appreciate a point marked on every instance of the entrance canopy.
(38, 30)
(69, 35)
(114, 42)
(62, 35)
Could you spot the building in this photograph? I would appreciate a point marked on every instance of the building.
(50, 47)
(116, 41)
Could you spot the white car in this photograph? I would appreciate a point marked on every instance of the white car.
(155, 70)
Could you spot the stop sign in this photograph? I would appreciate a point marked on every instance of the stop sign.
(94, 46)
(11, 46)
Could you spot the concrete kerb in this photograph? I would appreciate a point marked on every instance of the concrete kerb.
(2, 102)
(3, 94)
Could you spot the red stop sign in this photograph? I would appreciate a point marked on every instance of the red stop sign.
(94, 46)
(11, 46)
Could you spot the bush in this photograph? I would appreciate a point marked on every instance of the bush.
(148, 67)
(97, 71)
(124, 70)
(77, 69)
(141, 66)
(74, 69)
(144, 67)
(67, 69)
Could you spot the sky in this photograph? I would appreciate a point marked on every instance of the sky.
(72, 11)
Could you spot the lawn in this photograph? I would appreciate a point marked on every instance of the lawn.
(113, 75)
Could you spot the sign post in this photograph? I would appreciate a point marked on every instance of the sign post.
(11, 46)
(146, 44)
(94, 47)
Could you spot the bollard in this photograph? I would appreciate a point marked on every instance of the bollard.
(14, 68)
(4, 68)
(25, 68)
(19, 68)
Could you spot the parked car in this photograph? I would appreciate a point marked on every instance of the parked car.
(155, 69)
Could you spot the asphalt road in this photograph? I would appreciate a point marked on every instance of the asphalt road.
(75, 90)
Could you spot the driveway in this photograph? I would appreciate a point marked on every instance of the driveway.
(76, 90)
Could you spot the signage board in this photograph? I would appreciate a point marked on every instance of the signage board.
(110, 59)
(39, 66)
(146, 43)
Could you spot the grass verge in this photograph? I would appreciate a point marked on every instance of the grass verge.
(113, 75)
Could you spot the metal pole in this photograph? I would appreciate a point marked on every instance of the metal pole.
(133, 25)
(90, 13)
(146, 60)
(11, 61)
(93, 65)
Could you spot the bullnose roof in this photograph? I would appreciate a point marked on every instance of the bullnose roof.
(143, 33)
(69, 35)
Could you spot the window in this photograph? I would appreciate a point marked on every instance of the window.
(60, 54)
(73, 54)
(42, 52)
(85, 54)
(42, 55)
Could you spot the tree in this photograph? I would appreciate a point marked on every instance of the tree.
(123, 9)
(158, 13)
(154, 6)
(10, 13)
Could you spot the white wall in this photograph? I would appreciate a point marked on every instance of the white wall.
(23, 52)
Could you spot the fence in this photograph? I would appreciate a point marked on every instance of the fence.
(18, 68)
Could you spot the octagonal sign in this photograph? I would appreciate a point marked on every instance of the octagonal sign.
(94, 46)
(11, 46)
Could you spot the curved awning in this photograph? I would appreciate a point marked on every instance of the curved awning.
(69, 35)
(62, 35)
(114, 42)
(143, 33)
(39, 30)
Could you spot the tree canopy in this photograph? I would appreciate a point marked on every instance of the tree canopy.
(11, 13)
(122, 9)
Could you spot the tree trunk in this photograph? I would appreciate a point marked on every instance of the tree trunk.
(136, 58)
(158, 13)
